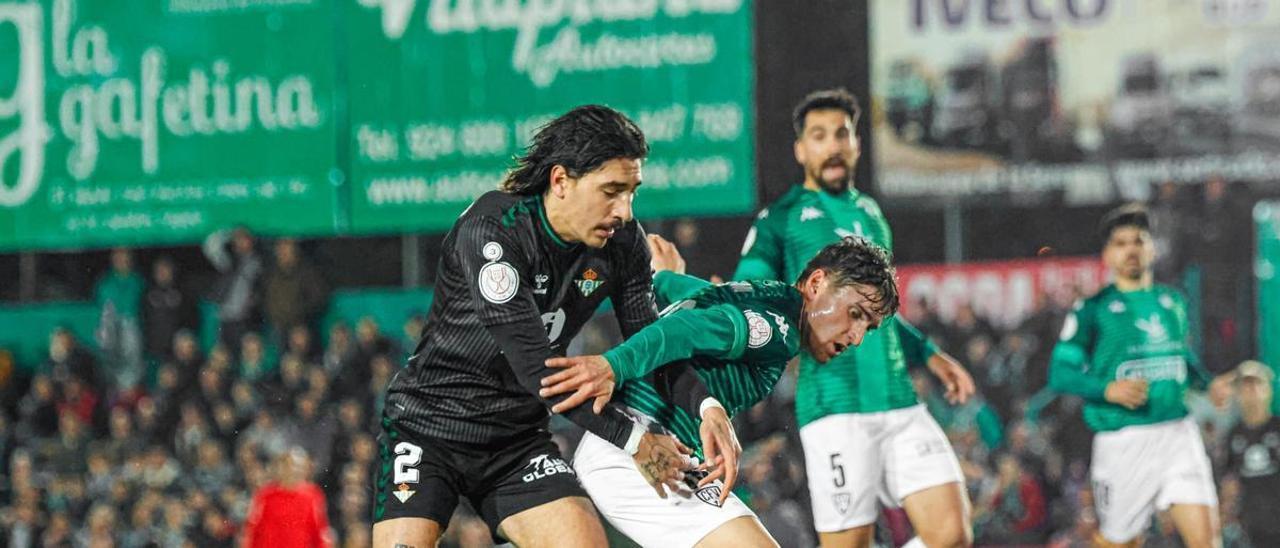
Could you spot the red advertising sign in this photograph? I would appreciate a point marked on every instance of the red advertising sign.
(1004, 292)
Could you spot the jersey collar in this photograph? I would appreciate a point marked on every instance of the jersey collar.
(541, 210)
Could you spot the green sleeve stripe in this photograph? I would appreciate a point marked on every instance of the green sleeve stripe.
(739, 322)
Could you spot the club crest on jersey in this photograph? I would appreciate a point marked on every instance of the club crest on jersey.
(588, 283)
(758, 330)
(842, 502)
(710, 495)
(403, 493)
(498, 281)
(1116, 307)
(1167, 302)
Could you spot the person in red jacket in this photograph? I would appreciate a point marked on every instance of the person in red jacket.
(290, 511)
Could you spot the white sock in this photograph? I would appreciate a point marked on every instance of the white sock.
(915, 542)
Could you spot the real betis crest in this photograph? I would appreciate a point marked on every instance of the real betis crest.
(588, 283)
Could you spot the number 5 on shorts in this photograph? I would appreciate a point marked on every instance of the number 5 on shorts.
(408, 455)
(837, 470)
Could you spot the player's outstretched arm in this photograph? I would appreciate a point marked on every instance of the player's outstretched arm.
(715, 332)
(953, 376)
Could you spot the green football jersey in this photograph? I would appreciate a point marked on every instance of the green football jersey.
(738, 336)
(1116, 335)
(871, 377)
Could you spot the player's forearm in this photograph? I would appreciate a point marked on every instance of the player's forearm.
(754, 268)
(677, 336)
(1067, 376)
(671, 286)
(680, 384)
(916, 347)
(526, 350)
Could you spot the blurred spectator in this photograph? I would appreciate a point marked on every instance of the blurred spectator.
(295, 291)
(1169, 233)
(167, 311)
(289, 511)
(301, 345)
(237, 291)
(1011, 508)
(99, 532)
(371, 342)
(316, 431)
(67, 358)
(119, 298)
(1253, 454)
(255, 365)
(38, 411)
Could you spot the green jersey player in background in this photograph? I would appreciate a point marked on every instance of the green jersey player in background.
(737, 338)
(866, 437)
(1124, 350)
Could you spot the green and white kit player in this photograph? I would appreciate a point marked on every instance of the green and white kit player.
(736, 339)
(1124, 350)
(866, 437)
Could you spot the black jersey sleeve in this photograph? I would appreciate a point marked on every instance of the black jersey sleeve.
(634, 303)
(678, 383)
(497, 269)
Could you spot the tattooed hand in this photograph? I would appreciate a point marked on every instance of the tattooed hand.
(662, 460)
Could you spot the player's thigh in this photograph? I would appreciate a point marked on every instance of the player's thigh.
(1197, 525)
(845, 471)
(569, 522)
(856, 537)
(407, 533)
(940, 515)
(684, 518)
(742, 531)
(530, 481)
(917, 457)
(1126, 481)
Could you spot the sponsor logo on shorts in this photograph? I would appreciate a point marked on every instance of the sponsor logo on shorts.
(930, 447)
(543, 466)
(842, 501)
(710, 494)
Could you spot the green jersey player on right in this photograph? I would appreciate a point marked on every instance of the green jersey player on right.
(1124, 350)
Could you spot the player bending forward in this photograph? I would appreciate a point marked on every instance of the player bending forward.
(736, 338)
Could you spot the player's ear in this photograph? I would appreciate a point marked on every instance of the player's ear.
(814, 283)
(799, 151)
(559, 180)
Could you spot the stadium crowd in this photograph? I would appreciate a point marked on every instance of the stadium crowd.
(140, 438)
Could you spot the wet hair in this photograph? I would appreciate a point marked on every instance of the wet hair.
(1134, 215)
(857, 261)
(580, 140)
(838, 98)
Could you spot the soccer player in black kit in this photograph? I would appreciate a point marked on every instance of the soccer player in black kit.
(521, 271)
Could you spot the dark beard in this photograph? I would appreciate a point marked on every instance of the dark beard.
(833, 187)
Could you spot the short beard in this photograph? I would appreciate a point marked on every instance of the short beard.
(835, 187)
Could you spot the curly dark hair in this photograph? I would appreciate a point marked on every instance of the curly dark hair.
(1133, 214)
(580, 140)
(822, 99)
(854, 260)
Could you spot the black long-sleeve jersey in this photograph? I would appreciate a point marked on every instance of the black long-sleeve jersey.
(510, 294)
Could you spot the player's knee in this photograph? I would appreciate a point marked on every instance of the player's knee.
(948, 533)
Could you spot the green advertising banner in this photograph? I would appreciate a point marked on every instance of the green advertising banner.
(442, 94)
(156, 121)
(1266, 216)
